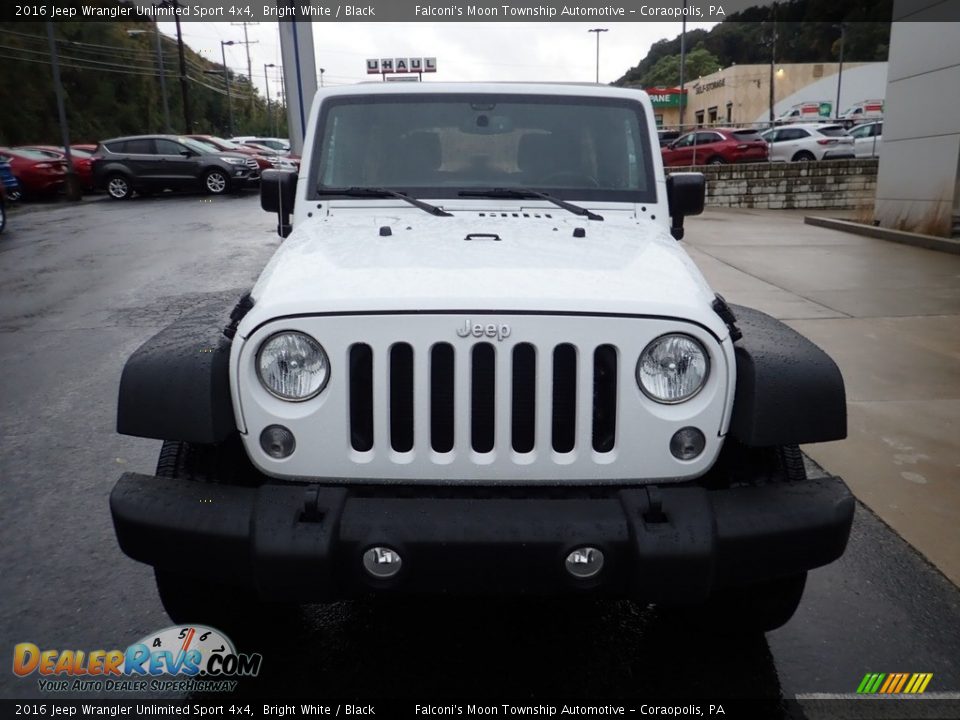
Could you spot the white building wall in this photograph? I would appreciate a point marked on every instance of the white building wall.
(917, 185)
(863, 81)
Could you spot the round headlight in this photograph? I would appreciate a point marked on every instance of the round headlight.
(672, 368)
(292, 366)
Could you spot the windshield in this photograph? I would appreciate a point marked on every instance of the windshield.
(436, 145)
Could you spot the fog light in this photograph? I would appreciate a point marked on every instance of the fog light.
(584, 562)
(687, 443)
(382, 562)
(277, 442)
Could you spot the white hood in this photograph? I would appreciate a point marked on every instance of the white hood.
(342, 264)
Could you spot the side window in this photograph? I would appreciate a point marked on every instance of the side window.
(878, 129)
(686, 140)
(168, 147)
(140, 146)
(861, 132)
(704, 138)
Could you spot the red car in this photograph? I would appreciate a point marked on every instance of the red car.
(38, 172)
(81, 160)
(226, 146)
(715, 146)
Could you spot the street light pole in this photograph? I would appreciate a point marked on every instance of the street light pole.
(226, 77)
(598, 31)
(843, 36)
(270, 115)
(683, 64)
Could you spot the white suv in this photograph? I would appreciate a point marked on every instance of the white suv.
(481, 363)
(805, 142)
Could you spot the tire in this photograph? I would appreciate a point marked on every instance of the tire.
(716, 160)
(15, 195)
(804, 156)
(119, 187)
(3, 214)
(185, 594)
(216, 182)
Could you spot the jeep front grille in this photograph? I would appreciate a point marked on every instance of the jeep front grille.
(545, 389)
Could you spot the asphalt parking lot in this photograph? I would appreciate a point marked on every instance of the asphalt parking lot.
(81, 287)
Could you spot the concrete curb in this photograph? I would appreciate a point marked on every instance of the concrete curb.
(930, 242)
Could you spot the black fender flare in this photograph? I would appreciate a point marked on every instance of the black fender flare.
(176, 386)
(789, 391)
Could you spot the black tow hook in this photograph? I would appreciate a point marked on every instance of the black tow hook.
(654, 513)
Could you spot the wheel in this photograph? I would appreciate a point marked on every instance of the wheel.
(188, 596)
(571, 176)
(3, 214)
(119, 187)
(804, 156)
(216, 182)
(15, 195)
(716, 160)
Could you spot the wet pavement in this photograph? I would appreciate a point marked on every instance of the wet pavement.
(889, 314)
(81, 288)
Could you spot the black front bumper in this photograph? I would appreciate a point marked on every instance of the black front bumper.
(306, 542)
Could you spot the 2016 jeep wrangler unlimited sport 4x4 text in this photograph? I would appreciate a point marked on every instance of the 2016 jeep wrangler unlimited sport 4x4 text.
(480, 363)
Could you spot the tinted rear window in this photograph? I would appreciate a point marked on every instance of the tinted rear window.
(832, 131)
(747, 135)
(142, 146)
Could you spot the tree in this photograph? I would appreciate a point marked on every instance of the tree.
(666, 72)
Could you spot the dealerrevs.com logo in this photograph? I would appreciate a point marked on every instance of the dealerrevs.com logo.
(191, 658)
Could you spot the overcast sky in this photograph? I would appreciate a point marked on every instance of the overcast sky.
(558, 51)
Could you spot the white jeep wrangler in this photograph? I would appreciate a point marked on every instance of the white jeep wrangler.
(481, 363)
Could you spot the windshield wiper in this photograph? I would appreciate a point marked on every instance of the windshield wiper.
(521, 193)
(374, 192)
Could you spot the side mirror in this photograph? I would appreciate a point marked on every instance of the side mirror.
(187, 153)
(686, 193)
(278, 189)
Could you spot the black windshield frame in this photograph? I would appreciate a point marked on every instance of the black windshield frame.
(644, 160)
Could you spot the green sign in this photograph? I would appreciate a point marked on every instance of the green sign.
(672, 100)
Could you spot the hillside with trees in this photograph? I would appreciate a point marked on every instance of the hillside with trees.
(806, 31)
(111, 86)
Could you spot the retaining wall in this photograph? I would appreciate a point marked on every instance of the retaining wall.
(837, 184)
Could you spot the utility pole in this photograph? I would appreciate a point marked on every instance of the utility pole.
(167, 127)
(184, 94)
(72, 185)
(246, 43)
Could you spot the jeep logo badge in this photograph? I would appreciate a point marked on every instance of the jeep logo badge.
(500, 332)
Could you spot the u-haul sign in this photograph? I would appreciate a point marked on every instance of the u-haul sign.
(384, 66)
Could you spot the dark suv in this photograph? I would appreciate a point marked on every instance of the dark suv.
(151, 163)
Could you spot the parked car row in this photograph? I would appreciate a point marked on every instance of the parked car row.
(796, 142)
(144, 164)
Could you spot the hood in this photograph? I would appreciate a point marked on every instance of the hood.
(346, 262)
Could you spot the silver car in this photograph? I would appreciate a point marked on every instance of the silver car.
(808, 141)
(867, 139)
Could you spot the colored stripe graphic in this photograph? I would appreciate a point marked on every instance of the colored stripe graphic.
(894, 683)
